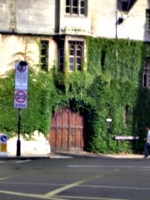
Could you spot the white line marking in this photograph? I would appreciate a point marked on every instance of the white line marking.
(67, 157)
(115, 187)
(98, 166)
(22, 161)
(7, 177)
(14, 161)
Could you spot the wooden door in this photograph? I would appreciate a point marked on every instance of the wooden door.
(67, 131)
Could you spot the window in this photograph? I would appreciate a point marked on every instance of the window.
(103, 55)
(148, 19)
(44, 54)
(146, 73)
(61, 59)
(75, 7)
(75, 55)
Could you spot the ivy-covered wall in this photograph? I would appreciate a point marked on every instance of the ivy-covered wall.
(117, 65)
(110, 88)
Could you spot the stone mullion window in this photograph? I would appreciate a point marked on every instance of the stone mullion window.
(44, 46)
(71, 57)
(82, 7)
(61, 59)
(75, 55)
(78, 51)
(75, 7)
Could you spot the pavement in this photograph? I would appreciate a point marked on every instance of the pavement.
(87, 154)
(69, 155)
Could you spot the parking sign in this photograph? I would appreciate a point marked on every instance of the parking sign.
(21, 85)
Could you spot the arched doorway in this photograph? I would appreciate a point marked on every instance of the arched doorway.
(67, 131)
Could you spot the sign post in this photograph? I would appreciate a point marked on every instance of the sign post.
(108, 132)
(20, 95)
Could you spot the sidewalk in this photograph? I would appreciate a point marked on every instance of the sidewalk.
(70, 155)
(87, 154)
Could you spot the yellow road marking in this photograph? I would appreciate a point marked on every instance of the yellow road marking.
(30, 195)
(56, 197)
(6, 177)
(50, 195)
(26, 183)
(90, 186)
(54, 192)
(86, 198)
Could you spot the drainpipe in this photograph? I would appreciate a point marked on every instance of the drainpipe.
(116, 24)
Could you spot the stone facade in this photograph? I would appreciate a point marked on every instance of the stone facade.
(24, 23)
(48, 18)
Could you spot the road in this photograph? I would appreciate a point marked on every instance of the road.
(75, 179)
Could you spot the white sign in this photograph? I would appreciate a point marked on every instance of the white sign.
(21, 76)
(21, 85)
(108, 120)
(20, 99)
(126, 137)
(21, 81)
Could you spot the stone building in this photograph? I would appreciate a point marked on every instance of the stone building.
(60, 24)
(45, 30)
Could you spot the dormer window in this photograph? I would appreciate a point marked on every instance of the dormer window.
(76, 7)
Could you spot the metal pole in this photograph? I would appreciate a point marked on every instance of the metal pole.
(18, 140)
(108, 129)
(116, 24)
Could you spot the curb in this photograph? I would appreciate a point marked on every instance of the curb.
(71, 155)
(110, 156)
(28, 157)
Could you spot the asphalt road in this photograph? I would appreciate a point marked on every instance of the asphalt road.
(75, 179)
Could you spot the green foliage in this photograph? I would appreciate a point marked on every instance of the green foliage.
(111, 84)
(37, 115)
(118, 65)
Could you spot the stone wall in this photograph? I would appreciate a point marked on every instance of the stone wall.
(48, 17)
(12, 44)
(38, 145)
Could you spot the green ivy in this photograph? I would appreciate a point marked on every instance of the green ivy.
(111, 83)
(118, 66)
